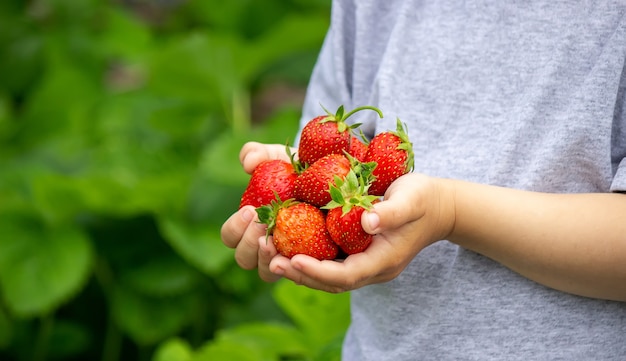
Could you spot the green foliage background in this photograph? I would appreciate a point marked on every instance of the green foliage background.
(120, 127)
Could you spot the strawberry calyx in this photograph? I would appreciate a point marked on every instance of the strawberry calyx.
(351, 192)
(405, 144)
(364, 171)
(340, 116)
(268, 213)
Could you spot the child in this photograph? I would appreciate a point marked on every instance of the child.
(509, 240)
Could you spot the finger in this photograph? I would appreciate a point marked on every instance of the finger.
(377, 264)
(399, 208)
(233, 229)
(247, 252)
(329, 276)
(253, 153)
(242, 231)
(389, 214)
(285, 267)
(267, 252)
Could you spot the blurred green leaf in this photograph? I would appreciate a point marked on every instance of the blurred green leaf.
(120, 127)
(227, 350)
(68, 339)
(331, 351)
(166, 276)
(7, 124)
(281, 127)
(21, 48)
(6, 330)
(321, 316)
(279, 42)
(220, 161)
(60, 198)
(199, 67)
(199, 244)
(148, 320)
(270, 341)
(124, 36)
(61, 102)
(243, 283)
(174, 349)
(40, 267)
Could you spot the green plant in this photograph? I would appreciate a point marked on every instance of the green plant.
(302, 338)
(120, 127)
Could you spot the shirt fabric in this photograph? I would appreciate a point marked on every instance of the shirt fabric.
(520, 94)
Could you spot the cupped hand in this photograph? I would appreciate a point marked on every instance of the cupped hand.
(416, 212)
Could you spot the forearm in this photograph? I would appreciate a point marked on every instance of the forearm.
(572, 242)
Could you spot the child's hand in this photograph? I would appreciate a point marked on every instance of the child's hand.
(241, 231)
(416, 212)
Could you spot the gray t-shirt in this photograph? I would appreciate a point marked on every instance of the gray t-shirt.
(522, 94)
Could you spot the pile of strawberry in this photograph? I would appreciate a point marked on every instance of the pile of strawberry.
(313, 205)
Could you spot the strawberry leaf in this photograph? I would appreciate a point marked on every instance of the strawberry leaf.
(339, 114)
(335, 195)
(350, 192)
(406, 145)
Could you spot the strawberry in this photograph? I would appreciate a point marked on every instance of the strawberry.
(393, 152)
(357, 148)
(327, 134)
(298, 228)
(269, 178)
(349, 201)
(312, 184)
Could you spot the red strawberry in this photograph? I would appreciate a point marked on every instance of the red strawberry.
(357, 148)
(312, 184)
(393, 152)
(327, 134)
(270, 178)
(298, 228)
(349, 201)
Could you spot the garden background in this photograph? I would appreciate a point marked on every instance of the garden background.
(120, 127)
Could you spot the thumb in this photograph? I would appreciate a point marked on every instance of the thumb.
(400, 206)
(254, 153)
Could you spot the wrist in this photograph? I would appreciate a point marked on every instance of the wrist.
(447, 191)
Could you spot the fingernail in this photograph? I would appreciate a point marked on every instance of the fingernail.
(373, 220)
(278, 271)
(247, 215)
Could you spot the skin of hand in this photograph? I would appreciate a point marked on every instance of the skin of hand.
(241, 230)
(410, 218)
(571, 242)
(384, 259)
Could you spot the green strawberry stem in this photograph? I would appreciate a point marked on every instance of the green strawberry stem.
(298, 167)
(364, 170)
(380, 113)
(340, 117)
(362, 136)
